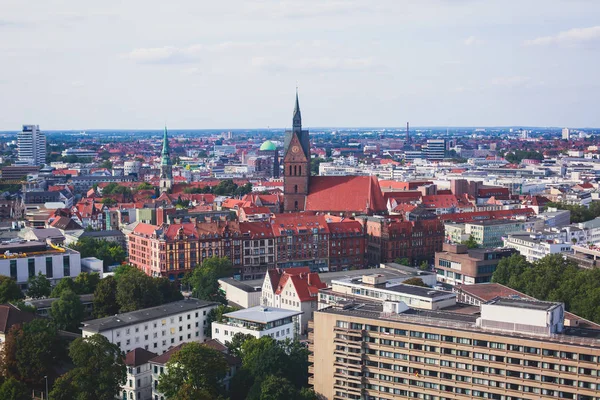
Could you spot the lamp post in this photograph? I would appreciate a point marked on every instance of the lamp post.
(46, 378)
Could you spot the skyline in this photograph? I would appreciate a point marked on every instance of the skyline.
(210, 66)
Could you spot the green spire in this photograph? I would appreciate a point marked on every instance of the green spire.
(166, 160)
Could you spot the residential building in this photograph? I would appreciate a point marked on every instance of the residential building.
(535, 247)
(346, 245)
(565, 133)
(22, 259)
(158, 365)
(43, 306)
(293, 289)
(258, 321)
(138, 382)
(258, 244)
(11, 316)
(515, 349)
(455, 264)
(156, 329)
(31, 144)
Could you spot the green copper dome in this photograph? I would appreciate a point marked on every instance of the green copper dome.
(268, 146)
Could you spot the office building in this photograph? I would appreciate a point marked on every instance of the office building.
(258, 321)
(456, 265)
(566, 134)
(156, 329)
(21, 259)
(535, 247)
(31, 144)
(436, 149)
(515, 349)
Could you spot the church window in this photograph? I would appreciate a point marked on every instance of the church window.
(290, 170)
(295, 188)
(295, 171)
(296, 204)
(300, 170)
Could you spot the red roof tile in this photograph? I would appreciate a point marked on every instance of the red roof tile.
(359, 194)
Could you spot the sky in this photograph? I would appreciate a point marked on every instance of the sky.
(200, 64)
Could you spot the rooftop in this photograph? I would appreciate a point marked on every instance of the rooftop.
(262, 315)
(525, 304)
(146, 314)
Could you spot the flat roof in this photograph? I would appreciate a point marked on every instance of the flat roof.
(146, 314)
(261, 314)
(524, 303)
(246, 286)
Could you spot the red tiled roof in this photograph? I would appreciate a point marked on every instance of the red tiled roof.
(360, 194)
(296, 222)
(189, 230)
(347, 226)
(256, 210)
(444, 201)
(11, 315)
(145, 229)
(306, 283)
(138, 356)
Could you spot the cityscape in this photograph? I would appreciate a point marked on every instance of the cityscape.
(372, 259)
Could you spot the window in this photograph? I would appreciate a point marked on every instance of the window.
(31, 267)
(66, 266)
(49, 272)
(13, 269)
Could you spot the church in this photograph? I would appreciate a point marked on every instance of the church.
(338, 195)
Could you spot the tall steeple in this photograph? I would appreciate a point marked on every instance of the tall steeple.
(297, 120)
(166, 169)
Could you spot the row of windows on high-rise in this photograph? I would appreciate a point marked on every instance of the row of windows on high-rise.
(49, 272)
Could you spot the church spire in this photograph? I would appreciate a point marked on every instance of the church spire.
(166, 159)
(297, 121)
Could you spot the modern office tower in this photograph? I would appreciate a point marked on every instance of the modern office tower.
(514, 349)
(436, 149)
(31, 143)
(566, 134)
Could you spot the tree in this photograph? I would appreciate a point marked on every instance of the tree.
(9, 290)
(402, 261)
(144, 186)
(169, 291)
(110, 252)
(415, 282)
(67, 312)
(86, 283)
(236, 343)
(216, 315)
(65, 284)
(509, 270)
(38, 286)
(193, 372)
(137, 290)
(205, 279)
(424, 266)
(122, 270)
(108, 202)
(31, 351)
(12, 389)
(98, 374)
(471, 242)
(106, 164)
(105, 298)
(277, 388)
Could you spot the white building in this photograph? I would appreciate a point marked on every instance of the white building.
(131, 167)
(31, 144)
(258, 321)
(83, 153)
(22, 259)
(138, 384)
(533, 247)
(240, 293)
(565, 133)
(156, 329)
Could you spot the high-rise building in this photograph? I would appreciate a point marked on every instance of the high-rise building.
(296, 164)
(31, 143)
(436, 149)
(566, 134)
(166, 169)
(511, 349)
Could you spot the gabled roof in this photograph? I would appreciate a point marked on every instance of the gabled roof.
(138, 356)
(306, 283)
(358, 194)
(65, 223)
(11, 315)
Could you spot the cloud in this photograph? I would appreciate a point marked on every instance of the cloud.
(293, 9)
(473, 41)
(570, 38)
(314, 64)
(511, 81)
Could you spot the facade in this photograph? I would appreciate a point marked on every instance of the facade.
(296, 164)
(155, 329)
(436, 149)
(517, 349)
(533, 247)
(490, 233)
(138, 383)
(24, 259)
(258, 321)
(390, 238)
(31, 144)
(456, 265)
(166, 169)
(293, 289)
(346, 246)
(241, 293)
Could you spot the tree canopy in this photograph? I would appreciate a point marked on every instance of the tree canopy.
(9, 290)
(38, 286)
(137, 290)
(216, 315)
(67, 312)
(471, 242)
(204, 279)
(579, 213)
(111, 253)
(105, 298)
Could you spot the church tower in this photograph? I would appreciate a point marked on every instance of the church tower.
(296, 164)
(166, 168)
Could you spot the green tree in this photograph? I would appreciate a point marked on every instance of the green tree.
(205, 279)
(38, 286)
(424, 265)
(110, 252)
(98, 374)
(105, 298)
(192, 372)
(471, 242)
(277, 388)
(236, 343)
(415, 282)
(106, 164)
(402, 261)
(9, 290)
(216, 315)
(86, 283)
(169, 291)
(122, 270)
(31, 351)
(144, 186)
(108, 202)
(510, 268)
(137, 290)
(12, 389)
(65, 284)
(67, 312)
